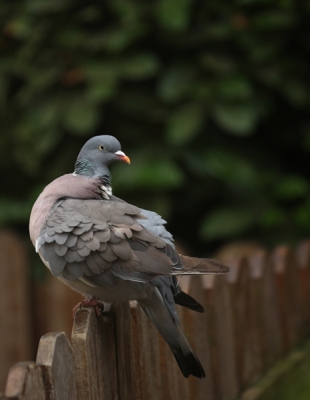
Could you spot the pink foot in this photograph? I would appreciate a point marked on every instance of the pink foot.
(89, 302)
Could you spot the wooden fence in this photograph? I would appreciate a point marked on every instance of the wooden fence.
(254, 315)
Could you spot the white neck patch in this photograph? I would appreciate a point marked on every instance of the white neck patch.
(106, 191)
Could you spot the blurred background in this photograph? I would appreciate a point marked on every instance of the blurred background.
(210, 100)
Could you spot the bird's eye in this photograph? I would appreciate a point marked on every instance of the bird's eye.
(100, 147)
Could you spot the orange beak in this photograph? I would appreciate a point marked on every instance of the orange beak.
(122, 156)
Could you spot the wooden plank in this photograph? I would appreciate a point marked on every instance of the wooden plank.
(218, 310)
(135, 348)
(94, 355)
(256, 263)
(303, 263)
(15, 313)
(268, 310)
(288, 296)
(147, 356)
(196, 327)
(25, 382)
(239, 283)
(127, 387)
(55, 357)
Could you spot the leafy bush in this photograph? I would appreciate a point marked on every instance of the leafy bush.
(209, 99)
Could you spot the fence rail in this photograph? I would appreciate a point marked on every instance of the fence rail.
(253, 316)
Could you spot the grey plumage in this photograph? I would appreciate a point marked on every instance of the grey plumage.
(101, 246)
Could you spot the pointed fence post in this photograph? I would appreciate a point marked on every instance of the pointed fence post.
(25, 382)
(288, 296)
(146, 352)
(55, 357)
(94, 355)
(196, 327)
(239, 282)
(219, 315)
(303, 263)
(15, 313)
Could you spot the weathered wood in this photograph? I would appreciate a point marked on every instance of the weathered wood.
(288, 296)
(94, 355)
(55, 357)
(196, 328)
(218, 310)
(25, 382)
(256, 264)
(146, 355)
(127, 388)
(303, 263)
(15, 314)
(268, 311)
(239, 285)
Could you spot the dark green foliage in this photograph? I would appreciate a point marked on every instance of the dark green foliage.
(210, 99)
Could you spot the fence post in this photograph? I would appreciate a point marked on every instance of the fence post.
(15, 313)
(196, 327)
(55, 357)
(303, 263)
(25, 382)
(94, 355)
(219, 315)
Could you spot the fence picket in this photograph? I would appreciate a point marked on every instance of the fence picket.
(287, 293)
(94, 356)
(303, 263)
(15, 313)
(55, 357)
(25, 382)
(197, 331)
(219, 315)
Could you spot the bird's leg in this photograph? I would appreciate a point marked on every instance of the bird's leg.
(91, 302)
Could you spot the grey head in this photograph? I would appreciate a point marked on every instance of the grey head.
(96, 155)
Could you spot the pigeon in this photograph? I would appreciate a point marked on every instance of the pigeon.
(111, 251)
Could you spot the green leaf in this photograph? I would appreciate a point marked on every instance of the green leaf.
(14, 211)
(174, 14)
(238, 119)
(291, 187)
(234, 88)
(80, 116)
(176, 83)
(302, 215)
(271, 217)
(148, 173)
(226, 223)
(140, 66)
(229, 167)
(184, 123)
(273, 20)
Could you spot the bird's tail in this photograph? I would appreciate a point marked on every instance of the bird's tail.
(167, 323)
(200, 266)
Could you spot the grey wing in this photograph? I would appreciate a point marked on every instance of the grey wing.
(98, 240)
(156, 224)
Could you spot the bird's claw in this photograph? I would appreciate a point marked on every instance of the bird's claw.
(90, 302)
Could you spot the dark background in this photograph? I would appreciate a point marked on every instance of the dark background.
(210, 100)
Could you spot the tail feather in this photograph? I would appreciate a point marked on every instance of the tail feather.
(193, 265)
(167, 323)
(185, 300)
(188, 363)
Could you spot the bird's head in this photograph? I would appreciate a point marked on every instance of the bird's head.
(96, 155)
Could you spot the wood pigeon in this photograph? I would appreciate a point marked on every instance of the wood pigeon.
(111, 251)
